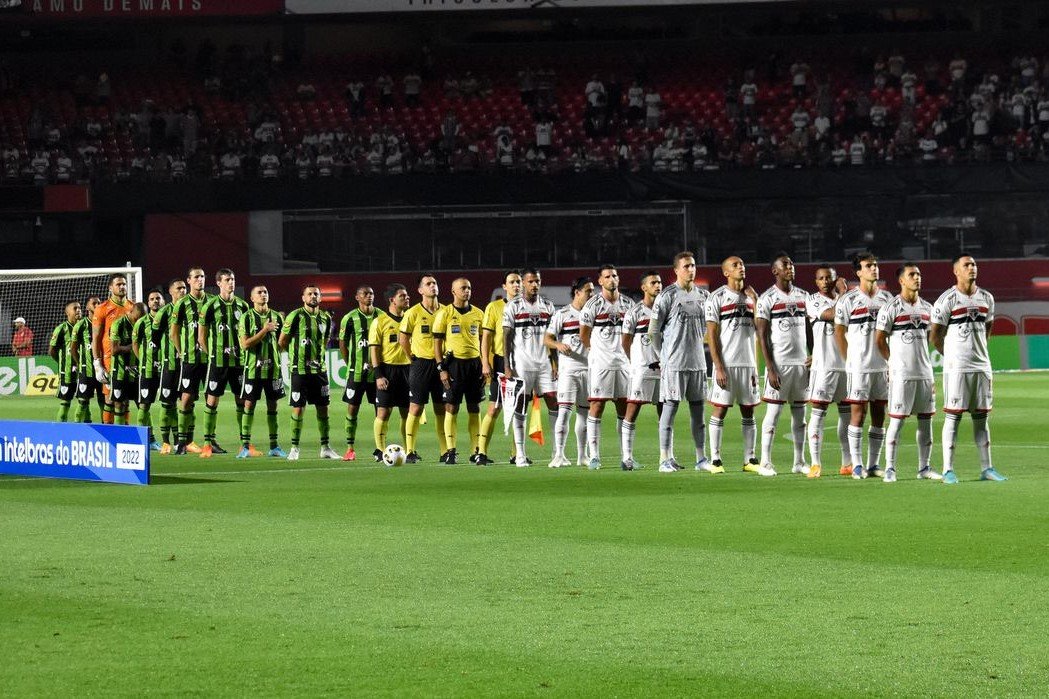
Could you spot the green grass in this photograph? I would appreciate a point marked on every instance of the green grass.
(274, 578)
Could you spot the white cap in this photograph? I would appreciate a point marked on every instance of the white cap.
(20, 319)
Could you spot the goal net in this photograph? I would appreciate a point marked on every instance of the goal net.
(40, 295)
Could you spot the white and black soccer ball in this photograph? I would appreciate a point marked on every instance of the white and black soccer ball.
(393, 455)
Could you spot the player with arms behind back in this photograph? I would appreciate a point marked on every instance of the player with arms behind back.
(902, 337)
(961, 323)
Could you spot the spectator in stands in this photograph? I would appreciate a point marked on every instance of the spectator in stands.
(304, 163)
(879, 115)
(469, 86)
(526, 86)
(748, 93)
(504, 148)
(858, 150)
(799, 71)
(22, 339)
(896, 64)
(450, 129)
(909, 86)
(306, 92)
(63, 168)
(384, 88)
(635, 103)
(413, 84)
(103, 90)
(928, 146)
(653, 109)
(355, 97)
(544, 130)
(957, 69)
(596, 97)
(325, 161)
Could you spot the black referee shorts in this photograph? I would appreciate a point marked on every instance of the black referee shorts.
(424, 382)
(396, 393)
(467, 381)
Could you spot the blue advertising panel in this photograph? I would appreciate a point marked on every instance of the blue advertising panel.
(77, 451)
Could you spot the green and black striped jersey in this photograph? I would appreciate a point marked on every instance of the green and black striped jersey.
(309, 333)
(149, 342)
(353, 330)
(220, 319)
(82, 336)
(61, 339)
(261, 361)
(122, 366)
(187, 316)
(162, 326)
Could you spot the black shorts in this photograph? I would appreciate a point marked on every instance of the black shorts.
(169, 392)
(357, 390)
(396, 393)
(467, 381)
(310, 389)
(124, 390)
(190, 377)
(424, 382)
(67, 390)
(221, 376)
(147, 389)
(88, 386)
(253, 389)
(494, 395)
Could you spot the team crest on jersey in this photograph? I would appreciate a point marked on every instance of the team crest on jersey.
(916, 319)
(350, 393)
(145, 392)
(213, 385)
(792, 308)
(237, 314)
(247, 388)
(65, 390)
(185, 383)
(295, 395)
(166, 392)
(973, 312)
(534, 317)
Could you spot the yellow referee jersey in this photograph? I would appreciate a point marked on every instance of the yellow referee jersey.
(382, 333)
(460, 329)
(493, 322)
(418, 323)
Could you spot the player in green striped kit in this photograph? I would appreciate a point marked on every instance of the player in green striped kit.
(80, 348)
(192, 358)
(258, 330)
(169, 363)
(123, 368)
(217, 330)
(353, 346)
(146, 342)
(59, 349)
(305, 336)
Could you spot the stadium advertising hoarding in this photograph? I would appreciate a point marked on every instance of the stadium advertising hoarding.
(75, 451)
(334, 7)
(148, 9)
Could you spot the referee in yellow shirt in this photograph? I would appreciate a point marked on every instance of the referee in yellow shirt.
(391, 367)
(416, 338)
(457, 344)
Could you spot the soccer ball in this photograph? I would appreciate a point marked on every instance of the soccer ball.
(393, 455)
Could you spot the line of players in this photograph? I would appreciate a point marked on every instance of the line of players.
(861, 349)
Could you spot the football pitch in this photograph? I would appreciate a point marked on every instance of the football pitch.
(268, 577)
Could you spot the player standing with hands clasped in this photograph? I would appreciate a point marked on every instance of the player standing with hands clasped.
(961, 322)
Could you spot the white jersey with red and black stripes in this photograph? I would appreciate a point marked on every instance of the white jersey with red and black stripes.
(643, 352)
(529, 321)
(858, 312)
(564, 326)
(825, 354)
(605, 318)
(965, 316)
(785, 313)
(907, 327)
(733, 311)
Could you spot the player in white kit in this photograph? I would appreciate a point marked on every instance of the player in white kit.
(903, 338)
(644, 364)
(785, 339)
(854, 317)
(525, 320)
(961, 322)
(601, 330)
(730, 335)
(827, 378)
(573, 385)
(677, 330)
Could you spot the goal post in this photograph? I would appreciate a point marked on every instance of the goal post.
(39, 296)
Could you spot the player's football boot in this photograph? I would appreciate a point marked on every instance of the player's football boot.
(165, 448)
(327, 452)
(989, 474)
(154, 446)
(628, 465)
(845, 470)
(890, 475)
(559, 461)
(192, 448)
(522, 462)
(412, 458)
(483, 460)
(815, 471)
(766, 470)
(858, 473)
(875, 472)
(801, 468)
(253, 452)
(714, 467)
(205, 452)
(180, 450)
(752, 466)
(450, 457)
(243, 453)
(216, 449)
(669, 466)
(377, 455)
(277, 452)
(950, 477)
(350, 454)
(927, 474)
(293, 455)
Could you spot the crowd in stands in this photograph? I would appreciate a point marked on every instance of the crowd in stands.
(248, 115)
